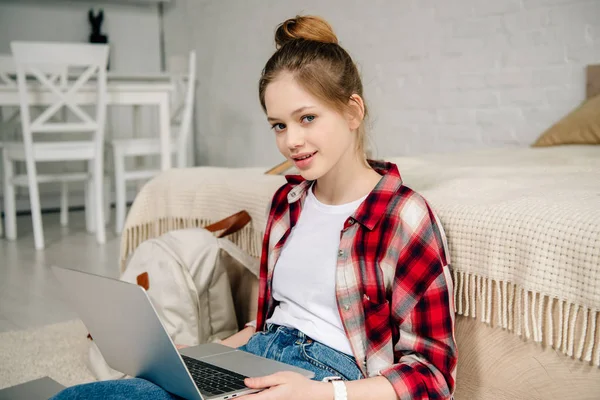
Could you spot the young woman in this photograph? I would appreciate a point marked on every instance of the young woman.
(354, 281)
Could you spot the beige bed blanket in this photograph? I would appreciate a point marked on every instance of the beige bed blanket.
(523, 227)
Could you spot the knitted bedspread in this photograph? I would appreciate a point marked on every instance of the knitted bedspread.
(523, 227)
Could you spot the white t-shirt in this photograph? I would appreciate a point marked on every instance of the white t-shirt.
(304, 276)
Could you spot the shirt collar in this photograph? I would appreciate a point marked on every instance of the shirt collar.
(374, 206)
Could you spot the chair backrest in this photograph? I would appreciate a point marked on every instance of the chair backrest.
(41, 61)
(8, 78)
(182, 104)
(8, 71)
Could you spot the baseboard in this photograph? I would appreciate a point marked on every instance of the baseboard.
(51, 202)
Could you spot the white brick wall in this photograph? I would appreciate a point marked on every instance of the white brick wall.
(438, 75)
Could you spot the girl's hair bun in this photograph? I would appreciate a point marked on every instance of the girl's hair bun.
(306, 27)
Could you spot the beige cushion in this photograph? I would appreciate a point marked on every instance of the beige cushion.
(581, 126)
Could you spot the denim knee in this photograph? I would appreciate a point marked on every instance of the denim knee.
(116, 390)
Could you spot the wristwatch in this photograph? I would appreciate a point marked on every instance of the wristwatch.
(339, 387)
(339, 390)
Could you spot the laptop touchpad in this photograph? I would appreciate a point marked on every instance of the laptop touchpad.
(250, 365)
(206, 349)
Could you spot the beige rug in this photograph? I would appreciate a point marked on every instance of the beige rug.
(58, 351)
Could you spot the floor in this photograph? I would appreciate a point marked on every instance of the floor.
(30, 296)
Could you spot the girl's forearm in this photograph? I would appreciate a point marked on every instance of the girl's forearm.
(240, 338)
(377, 388)
(371, 388)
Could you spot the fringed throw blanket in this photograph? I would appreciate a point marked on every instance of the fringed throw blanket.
(523, 227)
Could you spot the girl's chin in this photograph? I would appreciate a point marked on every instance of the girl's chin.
(316, 170)
(311, 174)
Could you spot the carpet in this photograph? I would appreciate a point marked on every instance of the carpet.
(58, 351)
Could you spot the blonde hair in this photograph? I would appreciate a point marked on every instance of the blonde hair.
(308, 49)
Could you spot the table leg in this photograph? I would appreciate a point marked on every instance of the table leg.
(164, 116)
(137, 133)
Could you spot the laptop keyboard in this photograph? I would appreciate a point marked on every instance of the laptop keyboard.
(212, 380)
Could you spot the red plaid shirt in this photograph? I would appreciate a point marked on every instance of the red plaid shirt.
(393, 285)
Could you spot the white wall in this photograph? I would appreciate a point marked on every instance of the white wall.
(133, 29)
(438, 75)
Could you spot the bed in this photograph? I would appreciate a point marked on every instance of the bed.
(524, 232)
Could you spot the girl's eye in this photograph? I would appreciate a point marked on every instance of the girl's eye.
(308, 118)
(278, 127)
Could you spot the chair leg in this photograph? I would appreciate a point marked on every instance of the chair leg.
(107, 198)
(98, 174)
(89, 206)
(1, 178)
(34, 201)
(10, 211)
(120, 190)
(64, 204)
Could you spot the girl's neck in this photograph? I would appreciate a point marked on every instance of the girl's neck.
(350, 179)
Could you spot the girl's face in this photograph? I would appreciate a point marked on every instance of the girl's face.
(312, 135)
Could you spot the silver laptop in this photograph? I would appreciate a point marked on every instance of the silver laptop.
(125, 326)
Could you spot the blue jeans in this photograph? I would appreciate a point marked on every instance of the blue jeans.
(277, 342)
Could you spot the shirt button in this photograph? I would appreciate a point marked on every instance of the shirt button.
(350, 221)
(346, 307)
(340, 253)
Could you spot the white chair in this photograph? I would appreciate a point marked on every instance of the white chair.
(9, 120)
(41, 60)
(7, 73)
(183, 107)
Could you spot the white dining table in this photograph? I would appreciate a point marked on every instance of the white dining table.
(122, 89)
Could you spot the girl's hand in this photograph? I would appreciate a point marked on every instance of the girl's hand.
(288, 385)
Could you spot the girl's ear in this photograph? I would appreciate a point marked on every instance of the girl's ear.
(356, 112)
